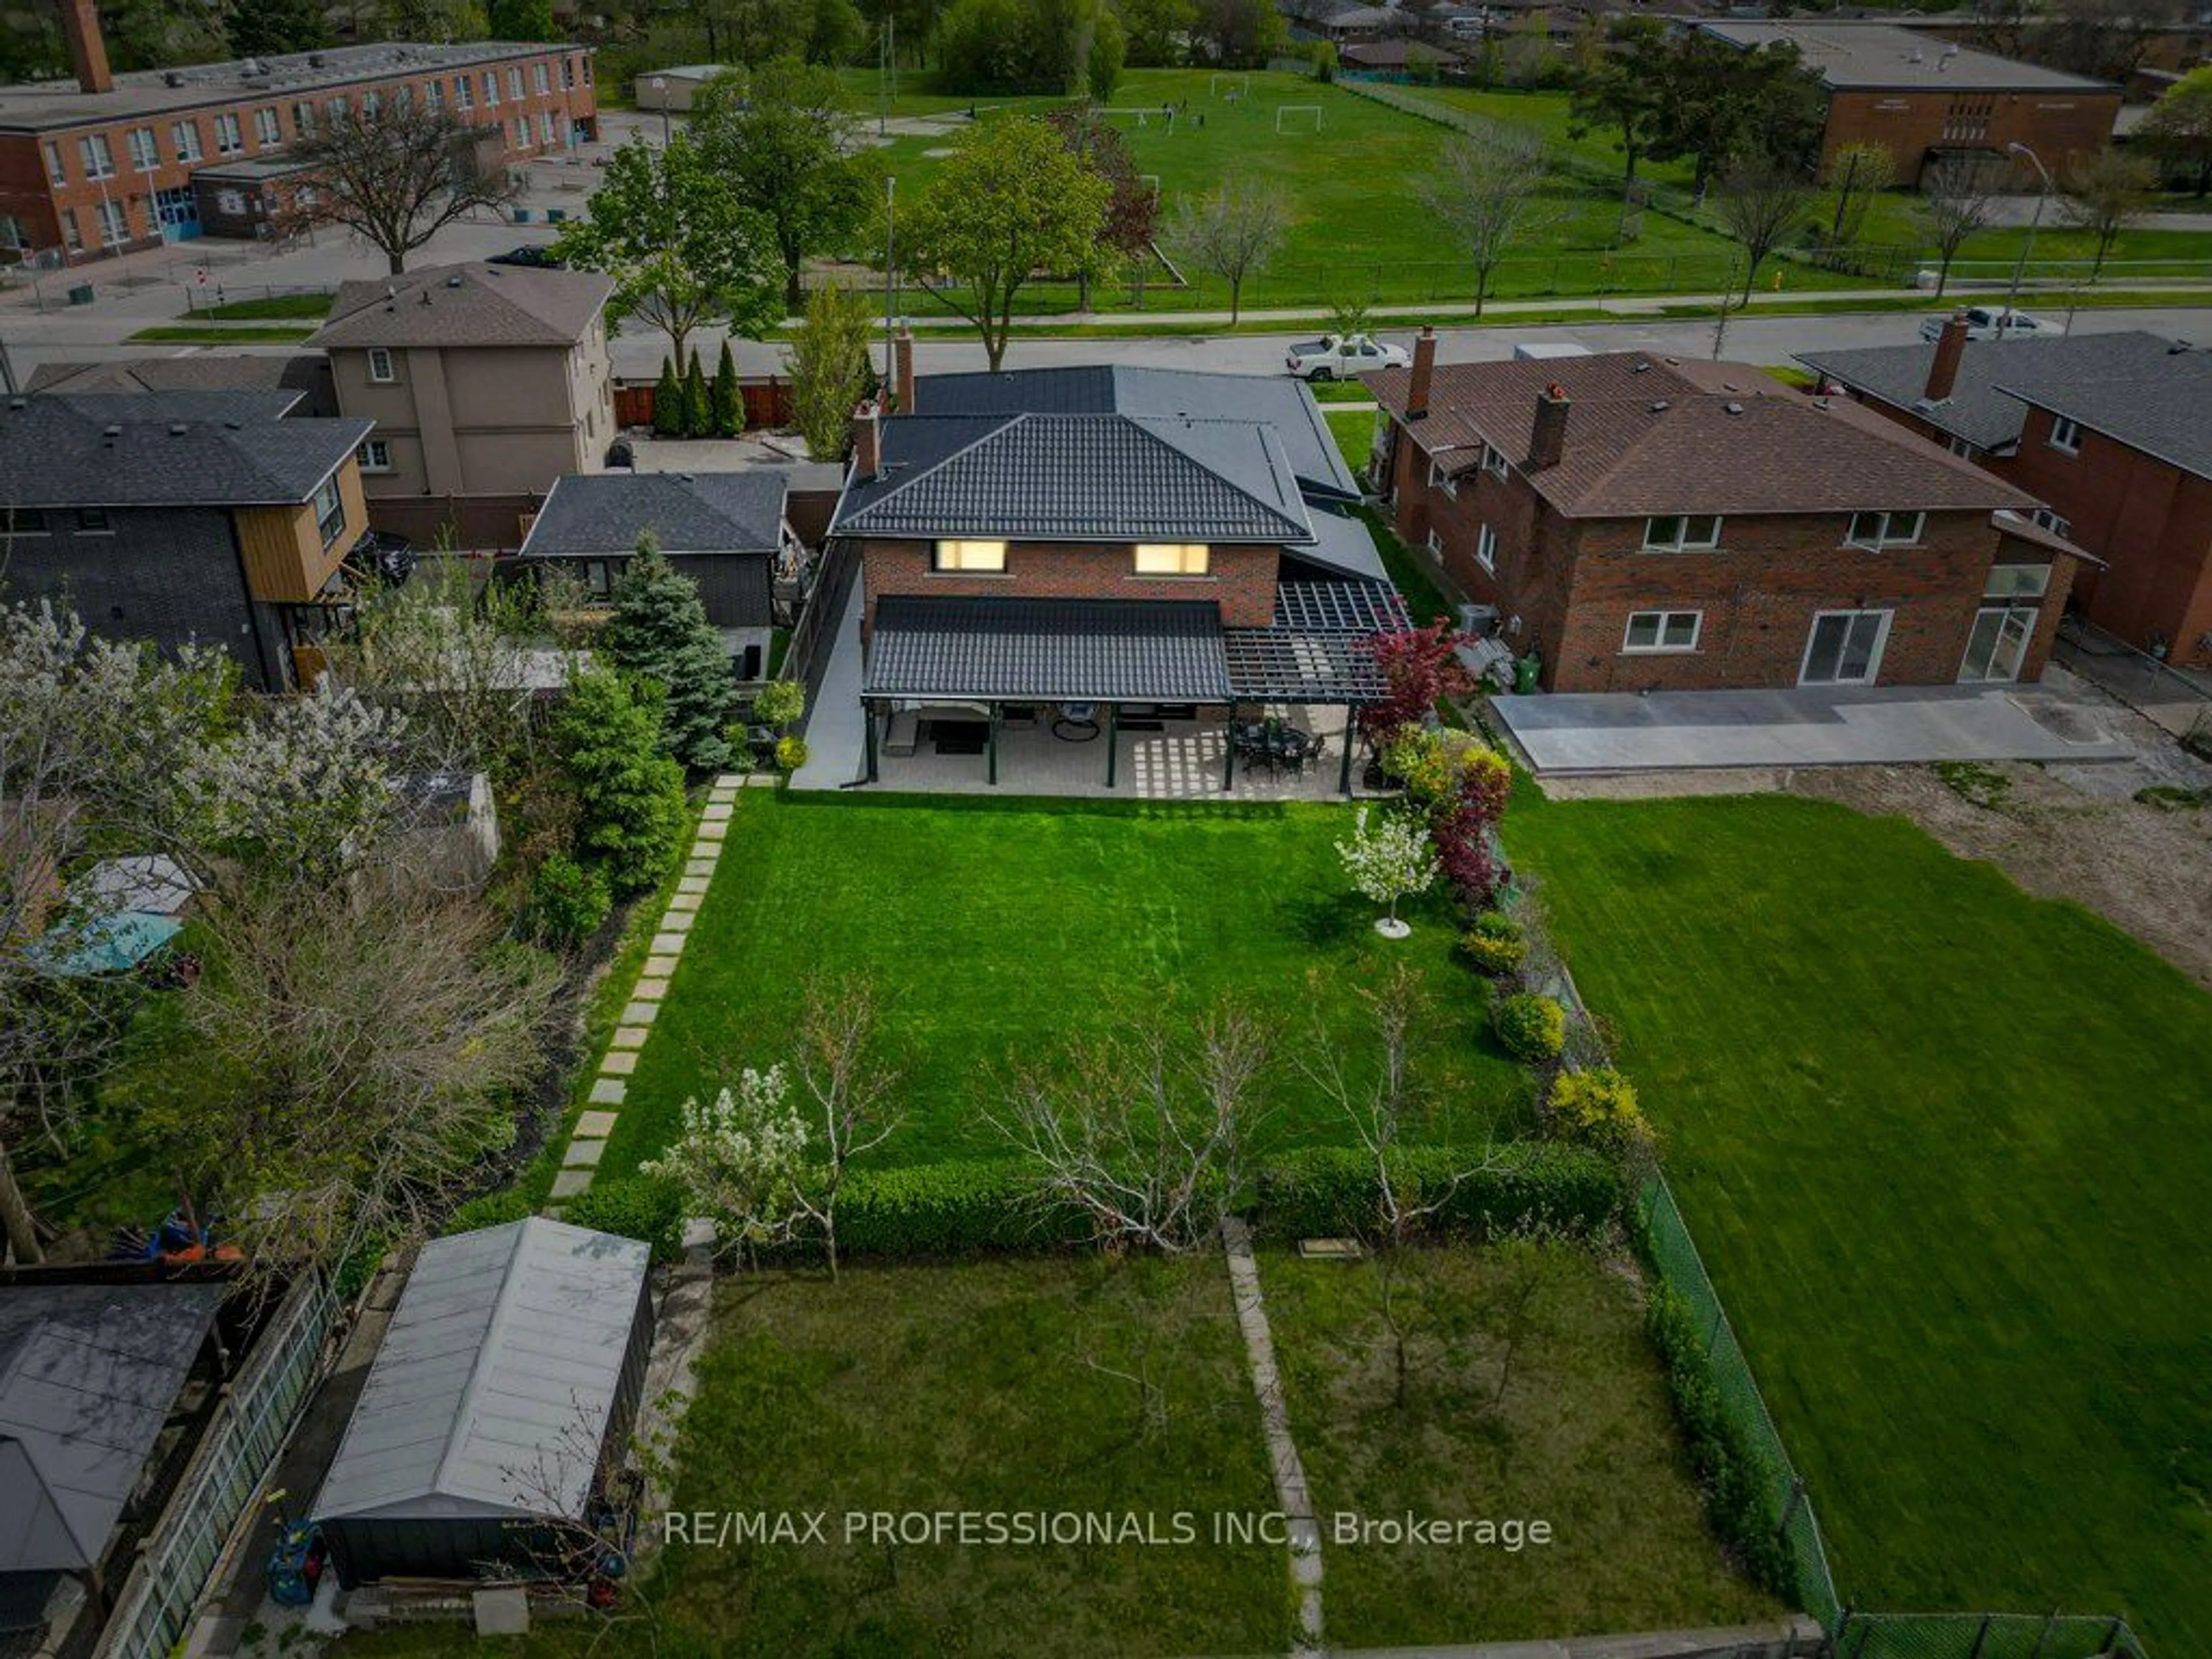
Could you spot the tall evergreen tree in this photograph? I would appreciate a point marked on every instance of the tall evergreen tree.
(698, 411)
(726, 402)
(668, 402)
(660, 631)
(629, 796)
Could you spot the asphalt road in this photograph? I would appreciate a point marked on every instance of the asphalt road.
(64, 336)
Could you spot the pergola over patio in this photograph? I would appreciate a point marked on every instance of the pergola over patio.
(990, 652)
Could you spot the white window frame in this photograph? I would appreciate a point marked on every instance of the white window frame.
(145, 149)
(1682, 542)
(97, 155)
(114, 222)
(268, 128)
(2065, 434)
(598, 580)
(542, 77)
(465, 94)
(382, 370)
(545, 129)
(329, 503)
(967, 556)
(491, 88)
(514, 83)
(1884, 535)
(1440, 479)
(1493, 461)
(1873, 660)
(1174, 559)
(57, 169)
(72, 232)
(1662, 622)
(374, 454)
(1485, 548)
(229, 135)
(303, 118)
(433, 95)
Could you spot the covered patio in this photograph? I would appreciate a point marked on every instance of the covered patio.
(1107, 697)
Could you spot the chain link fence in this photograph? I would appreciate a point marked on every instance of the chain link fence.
(1983, 1636)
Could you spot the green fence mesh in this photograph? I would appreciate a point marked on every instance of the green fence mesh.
(1983, 1636)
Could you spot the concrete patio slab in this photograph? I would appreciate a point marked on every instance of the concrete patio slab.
(640, 1013)
(569, 1182)
(1571, 734)
(628, 1037)
(608, 1092)
(584, 1154)
(594, 1125)
(618, 1062)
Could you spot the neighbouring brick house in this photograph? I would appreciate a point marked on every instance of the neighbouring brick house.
(1922, 99)
(1083, 547)
(176, 516)
(2111, 433)
(106, 163)
(1644, 523)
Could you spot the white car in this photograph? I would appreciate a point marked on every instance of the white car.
(1331, 358)
(1988, 323)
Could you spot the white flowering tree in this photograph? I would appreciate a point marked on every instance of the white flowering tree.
(1388, 858)
(741, 1160)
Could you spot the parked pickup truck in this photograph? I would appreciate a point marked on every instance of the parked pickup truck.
(1331, 358)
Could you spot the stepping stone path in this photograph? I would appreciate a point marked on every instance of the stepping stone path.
(589, 1143)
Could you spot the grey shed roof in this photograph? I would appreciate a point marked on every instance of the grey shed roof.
(1987, 417)
(1881, 56)
(1276, 400)
(2160, 403)
(88, 1374)
(496, 1379)
(1077, 477)
(599, 514)
(466, 305)
(1050, 650)
(166, 449)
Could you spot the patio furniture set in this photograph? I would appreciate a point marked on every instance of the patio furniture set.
(1275, 745)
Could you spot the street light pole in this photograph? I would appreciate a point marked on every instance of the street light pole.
(2028, 246)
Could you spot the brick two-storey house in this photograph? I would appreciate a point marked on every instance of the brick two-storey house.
(1643, 523)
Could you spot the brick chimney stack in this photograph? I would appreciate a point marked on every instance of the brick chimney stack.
(1943, 367)
(902, 371)
(867, 442)
(87, 47)
(1425, 370)
(1547, 439)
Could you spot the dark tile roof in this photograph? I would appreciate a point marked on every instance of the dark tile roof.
(1077, 477)
(166, 449)
(599, 514)
(2159, 403)
(88, 1374)
(1977, 411)
(306, 372)
(475, 304)
(1648, 435)
(1049, 650)
(1342, 546)
(1130, 389)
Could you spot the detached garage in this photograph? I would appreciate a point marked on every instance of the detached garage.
(503, 1394)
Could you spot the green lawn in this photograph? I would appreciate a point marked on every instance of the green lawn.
(1943, 1147)
(1569, 1424)
(272, 306)
(998, 929)
(1354, 432)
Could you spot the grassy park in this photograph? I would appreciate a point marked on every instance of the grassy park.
(1939, 1143)
(994, 930)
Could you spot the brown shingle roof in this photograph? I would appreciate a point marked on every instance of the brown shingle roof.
(1648, 435)
(466, 305)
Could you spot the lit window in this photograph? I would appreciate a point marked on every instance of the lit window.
(2017, 581)
(1886, 529)
(1662, 630)
(1675, 533)
(1485, 548)
(2065, 434)
(375, 455)
(379, 366)
(1172, 558)
(969, 555)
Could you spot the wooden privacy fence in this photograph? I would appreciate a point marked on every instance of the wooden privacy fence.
(767, 399)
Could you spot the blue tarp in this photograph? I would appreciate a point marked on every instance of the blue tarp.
(107, 944)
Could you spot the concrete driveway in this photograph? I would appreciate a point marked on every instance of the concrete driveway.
(1581, 733)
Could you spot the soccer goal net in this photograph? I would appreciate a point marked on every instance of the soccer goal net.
(1294, 118)
(1235, 85)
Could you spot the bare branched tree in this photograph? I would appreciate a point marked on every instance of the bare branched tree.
(847, 1088)
(1233, 231)
(397, 174)
(1760, 201)
(1488, 195)
(575, 1463)
(1143, 1130)
(1958, 196)
(2107, 194)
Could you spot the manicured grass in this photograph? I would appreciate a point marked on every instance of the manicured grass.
(271, 306)
(1354, 432)
(1943, 1145)
(1581, 1437)
(997, 929)
(184, 334)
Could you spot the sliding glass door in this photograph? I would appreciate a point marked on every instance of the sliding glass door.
(1845, 648)
(1999, 642)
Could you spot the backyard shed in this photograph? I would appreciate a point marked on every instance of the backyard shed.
(503, 1394)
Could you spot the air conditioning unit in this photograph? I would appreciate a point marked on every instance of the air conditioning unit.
(1479, 620)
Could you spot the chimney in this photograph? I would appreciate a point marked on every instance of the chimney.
(1547, 439)
(87, 47)
(867, 443)
(1943, 367)
(1423, 371)
(903, 368)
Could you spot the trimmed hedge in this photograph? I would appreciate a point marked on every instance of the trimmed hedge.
(632, 1207)
(1734, 1470)
(948, 1209)
(1329, 1191)
(492, 1210)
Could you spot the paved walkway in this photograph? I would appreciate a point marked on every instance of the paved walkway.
(836, 740)
(1292, 1495)
(1574, 732)
(595, 1125)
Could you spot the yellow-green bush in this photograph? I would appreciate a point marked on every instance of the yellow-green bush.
(1598, 1108)
(1532, 1029)
(1495, 943)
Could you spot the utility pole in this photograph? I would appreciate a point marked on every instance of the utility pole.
(2027, 243)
